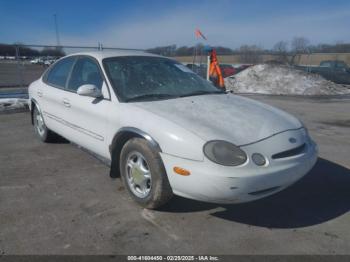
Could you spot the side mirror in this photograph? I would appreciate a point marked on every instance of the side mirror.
(89, 90)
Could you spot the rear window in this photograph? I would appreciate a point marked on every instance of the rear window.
(58, 75)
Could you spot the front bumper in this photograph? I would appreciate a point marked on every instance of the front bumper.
(211, 182)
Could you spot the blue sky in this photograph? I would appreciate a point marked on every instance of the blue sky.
(144, 24)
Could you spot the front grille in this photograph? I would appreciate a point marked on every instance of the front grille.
(292, 152)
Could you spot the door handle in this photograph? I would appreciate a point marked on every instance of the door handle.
(66, 102)
(40, 93)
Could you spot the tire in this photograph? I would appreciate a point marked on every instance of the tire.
(144, 175)
(44, 134)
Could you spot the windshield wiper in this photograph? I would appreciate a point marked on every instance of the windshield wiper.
(202, 92)
(150, 96)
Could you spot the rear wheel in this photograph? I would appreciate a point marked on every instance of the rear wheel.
(45, 134)
(144, 175)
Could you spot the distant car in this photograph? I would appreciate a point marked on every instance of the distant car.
(36, 61)
(242, 67)
(227, 70)
(334, 70)
(168, 131)
(49, 62)
(335, 64)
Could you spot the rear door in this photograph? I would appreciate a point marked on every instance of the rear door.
(87, 116)
(51, 95)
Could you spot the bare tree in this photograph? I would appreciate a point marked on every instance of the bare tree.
(250, 54)
(281, 49)
(340, 47)
(299, 46)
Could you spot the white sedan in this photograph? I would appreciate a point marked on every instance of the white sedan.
(167, 131)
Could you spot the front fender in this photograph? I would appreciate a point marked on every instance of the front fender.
(171, 138)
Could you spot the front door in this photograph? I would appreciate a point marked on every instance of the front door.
(87, 116)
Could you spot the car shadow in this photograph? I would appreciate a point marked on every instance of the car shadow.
(59, 140)
(323, 194)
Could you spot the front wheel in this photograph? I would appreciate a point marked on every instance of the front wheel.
(144, 175)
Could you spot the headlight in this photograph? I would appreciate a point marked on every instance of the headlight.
(224, 153)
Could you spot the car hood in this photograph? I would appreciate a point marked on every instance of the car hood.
(223, 117)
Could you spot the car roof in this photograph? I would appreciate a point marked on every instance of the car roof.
(100, 55)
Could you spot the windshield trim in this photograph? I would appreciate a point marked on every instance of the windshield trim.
(142, 98)
(204, 93)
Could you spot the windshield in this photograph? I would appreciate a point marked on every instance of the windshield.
(140, 78)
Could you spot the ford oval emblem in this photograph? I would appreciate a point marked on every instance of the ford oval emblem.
(292, 140)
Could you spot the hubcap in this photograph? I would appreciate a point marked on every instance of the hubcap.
(39, 123)
(138, 175)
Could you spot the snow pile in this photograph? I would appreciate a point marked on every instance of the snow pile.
(281, 80)
(7, 104)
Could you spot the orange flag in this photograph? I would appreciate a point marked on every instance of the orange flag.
(199, 34)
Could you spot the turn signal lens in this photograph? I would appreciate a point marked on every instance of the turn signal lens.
(181, 171)
(258, 159)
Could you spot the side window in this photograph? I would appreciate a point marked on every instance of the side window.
(85, 71)
(326, 64)
(340, 65)
(59, 73)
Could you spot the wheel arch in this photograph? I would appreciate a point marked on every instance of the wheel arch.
(33, 103)
(120, 138)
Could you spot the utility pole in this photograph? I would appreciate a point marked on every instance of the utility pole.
(19, 69)
(57, 33)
